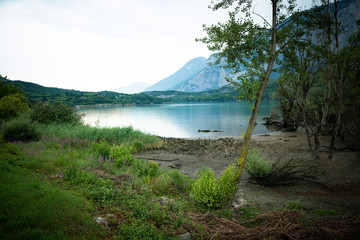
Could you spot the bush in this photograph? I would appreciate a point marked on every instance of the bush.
(146, 168)
(55, 113)
(122, 155)
(212, 192)
(101, 149)
(12, 105)
(137, 147)
(20, 130)
(256, 165)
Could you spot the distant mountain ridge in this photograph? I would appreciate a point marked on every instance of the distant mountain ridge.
(197, 75)
(134, 88)
(189, 69)
(211, 77)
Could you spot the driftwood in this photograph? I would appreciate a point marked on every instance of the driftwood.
(205, 130)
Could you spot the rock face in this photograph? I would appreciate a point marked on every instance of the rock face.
(211, 77)
(197, 75)
(188, 70)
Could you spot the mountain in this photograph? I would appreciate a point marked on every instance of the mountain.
(199, 74)
(211, 77)
(189, 69)
(134, 88)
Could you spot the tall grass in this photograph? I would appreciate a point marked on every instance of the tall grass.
(126, 135)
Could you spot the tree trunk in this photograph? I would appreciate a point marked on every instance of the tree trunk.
(327, 99)
(341, 86)
(244, 149)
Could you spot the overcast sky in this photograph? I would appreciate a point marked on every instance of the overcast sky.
(95, 45)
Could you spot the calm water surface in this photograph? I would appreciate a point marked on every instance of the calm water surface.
(180, 120)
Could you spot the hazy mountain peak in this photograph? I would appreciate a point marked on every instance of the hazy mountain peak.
(189, 69)
(133, 88)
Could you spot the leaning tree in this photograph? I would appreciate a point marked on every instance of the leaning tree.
(248, 46)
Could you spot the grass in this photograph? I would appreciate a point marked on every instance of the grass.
(33, 208)
(55, 187)
(126, 135)
(294, 205)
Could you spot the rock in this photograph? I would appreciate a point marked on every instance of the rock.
(185, 236)
(164, 201)
(60, 175)
(101, 221)
(240, 203)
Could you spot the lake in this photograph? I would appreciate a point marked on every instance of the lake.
(180, 120)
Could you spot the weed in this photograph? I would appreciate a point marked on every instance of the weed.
(249, 212)
(140, 230)
(294, 205)
(97, 189)
(256, 165)
(324, 212)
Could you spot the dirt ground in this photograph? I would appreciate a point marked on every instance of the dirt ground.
(336, 189)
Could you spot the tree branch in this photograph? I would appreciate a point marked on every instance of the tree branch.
(263, 19)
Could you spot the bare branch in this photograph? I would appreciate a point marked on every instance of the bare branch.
(263, 19)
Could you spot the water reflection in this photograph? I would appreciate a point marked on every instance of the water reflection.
(180, 120)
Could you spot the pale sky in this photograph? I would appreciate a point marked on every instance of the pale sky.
(96, 45)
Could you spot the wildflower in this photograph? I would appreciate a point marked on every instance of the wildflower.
(101, 160)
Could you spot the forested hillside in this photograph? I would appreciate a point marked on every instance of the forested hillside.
(37, 93)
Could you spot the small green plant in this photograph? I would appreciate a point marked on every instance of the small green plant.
(325, 212)
(212, 192)
(249, 212)
(20, 130)
(256, 165)
(122, 155)
(140, 230)
(294, 205)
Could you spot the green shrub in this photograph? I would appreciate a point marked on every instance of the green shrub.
(101, 149)
(55, 113)
(146, 168)
(137, 147)
(20, 130)
(122, 155)
(212, 192)
(170, 182)
(12, 105)
(256, 165)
